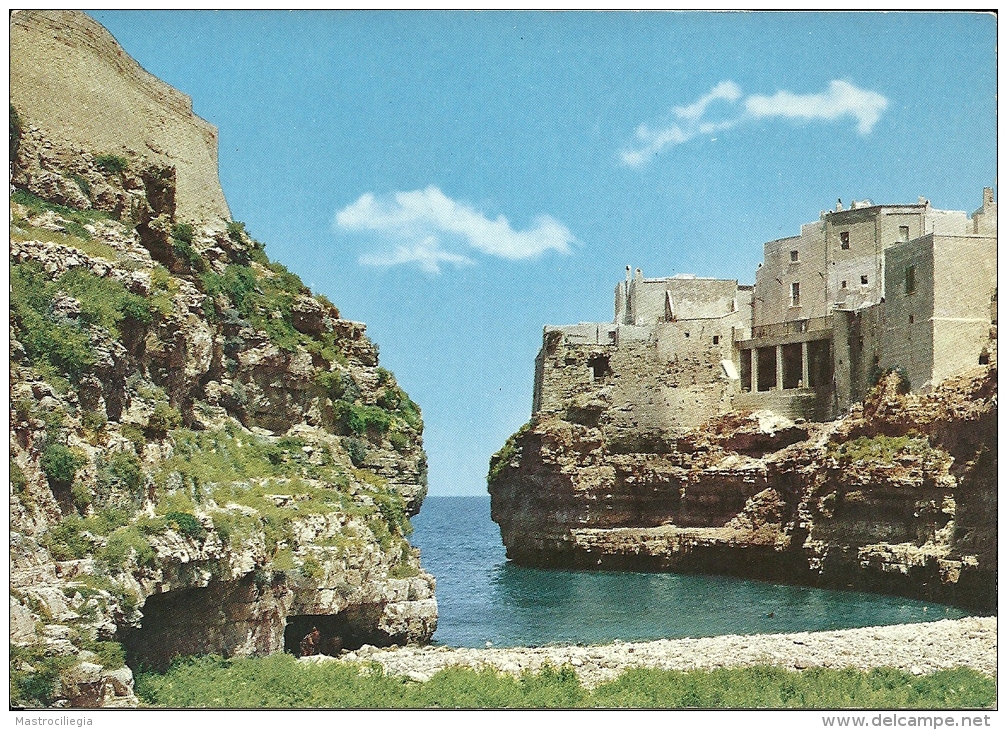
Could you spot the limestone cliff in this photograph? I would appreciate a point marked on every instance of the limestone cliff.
(899, 496)
(205, 457)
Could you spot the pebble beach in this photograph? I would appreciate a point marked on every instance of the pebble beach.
(920, 648)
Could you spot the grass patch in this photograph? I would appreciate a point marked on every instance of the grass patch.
(69, 538)
(232, 466)
(111, 163)
(59, 345)
(37, 687)
(362, 420)
(279, 681)
(506, 453)
(36, 205)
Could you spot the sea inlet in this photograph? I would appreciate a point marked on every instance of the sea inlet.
(484, 598)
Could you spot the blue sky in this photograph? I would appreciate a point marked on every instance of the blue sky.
(457, 180)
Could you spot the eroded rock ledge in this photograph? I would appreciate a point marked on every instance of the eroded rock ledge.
(899, 496)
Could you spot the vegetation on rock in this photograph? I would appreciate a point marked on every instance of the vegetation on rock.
(280, 681)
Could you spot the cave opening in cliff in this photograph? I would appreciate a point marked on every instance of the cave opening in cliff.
(346, 630)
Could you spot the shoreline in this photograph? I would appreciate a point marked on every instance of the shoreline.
(921, 648)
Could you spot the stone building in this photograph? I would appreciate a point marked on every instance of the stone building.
(860, 291)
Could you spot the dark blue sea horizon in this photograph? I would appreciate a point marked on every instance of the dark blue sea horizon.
(482, 597)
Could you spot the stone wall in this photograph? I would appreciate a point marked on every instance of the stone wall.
(68, 75)
(646, 302)
(779, 271)
(965, 287)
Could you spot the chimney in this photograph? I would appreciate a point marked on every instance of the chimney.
(987, 196)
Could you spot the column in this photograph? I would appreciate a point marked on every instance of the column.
(754, 357)
(804, 365)
(779, 367)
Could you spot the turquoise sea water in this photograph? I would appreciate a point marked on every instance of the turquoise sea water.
(482, 597)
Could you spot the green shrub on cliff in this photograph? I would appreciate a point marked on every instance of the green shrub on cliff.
(51, 345)
(105, 302)
(884, 449)
(61, 345)
(163, 418)
(185, 524)
(124, 543)
(362, 420)
(60, 464)
(506, 454)
(35, 204)
(111, 163)
(181, 243)
(34, 675)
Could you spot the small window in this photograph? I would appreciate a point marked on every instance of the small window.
(863, 280)
(910, 279)
(911, 319)
(903, 233)
(843, 285)
(686, 334)
(795, 294)
(793, 256)
(844, 239)
(716, 339)
(600, 367)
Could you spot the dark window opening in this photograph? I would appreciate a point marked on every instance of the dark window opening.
(716, 339)
(795, 294)
(746, 370)
(863, 279)
(911, 319)
(686, 334)
(767, 368)
(600, 367)
(843, 285)
(984, 358)
(910, 279)
(844, 240)
(793, 256)
(819, 364)
(792, 365)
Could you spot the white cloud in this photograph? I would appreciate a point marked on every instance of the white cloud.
(841, 99)
(428, 228)
(427, 254)
(726, 90)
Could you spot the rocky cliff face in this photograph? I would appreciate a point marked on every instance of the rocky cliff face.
(205, 458)
(899, 496)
